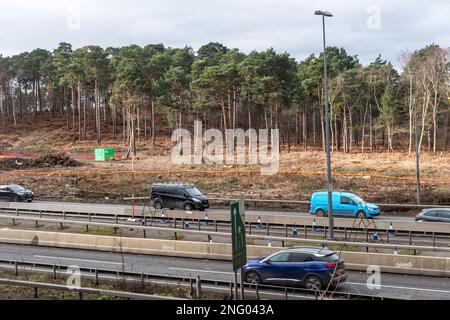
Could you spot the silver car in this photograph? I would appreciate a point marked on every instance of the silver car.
(434, 215)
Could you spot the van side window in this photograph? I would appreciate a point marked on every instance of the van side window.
(180, 192)
(345, 200)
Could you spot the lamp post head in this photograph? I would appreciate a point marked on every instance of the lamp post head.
(323, 13)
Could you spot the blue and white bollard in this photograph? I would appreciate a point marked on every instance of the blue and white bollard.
(376, 237)
(210, 239)
(260, 226)
(295, 232)
(186, 225)
(163, 218)
(391, 231)
(269, 243)
(314, 226)
(206, 222)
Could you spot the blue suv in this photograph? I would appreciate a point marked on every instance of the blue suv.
(344, 204)
(311, 267)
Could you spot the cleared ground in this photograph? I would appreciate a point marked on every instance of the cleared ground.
(302, 172)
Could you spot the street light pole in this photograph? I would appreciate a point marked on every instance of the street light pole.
(327, 126)
(413, 94)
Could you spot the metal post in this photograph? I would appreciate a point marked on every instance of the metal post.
(235, 286)
(417, 141)
(327, 124)
(257, 292)
(198, 288)
(242, 285)
(327, 136)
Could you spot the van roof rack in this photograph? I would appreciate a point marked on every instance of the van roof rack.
(172, 184)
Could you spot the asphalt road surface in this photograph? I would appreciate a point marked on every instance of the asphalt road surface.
(392, 285)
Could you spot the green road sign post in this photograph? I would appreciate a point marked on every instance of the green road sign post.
(239, 243)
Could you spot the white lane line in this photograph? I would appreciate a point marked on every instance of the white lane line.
(84, 260)
(398, 287)
(203, 271)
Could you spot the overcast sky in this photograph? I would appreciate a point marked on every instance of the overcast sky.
(364, 27)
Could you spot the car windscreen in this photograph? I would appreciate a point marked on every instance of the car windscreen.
(17, 188)
(357, 199)
(194, 192)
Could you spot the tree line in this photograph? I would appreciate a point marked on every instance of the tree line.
(132, 90)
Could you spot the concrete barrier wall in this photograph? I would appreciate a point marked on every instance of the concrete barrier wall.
(414, 265)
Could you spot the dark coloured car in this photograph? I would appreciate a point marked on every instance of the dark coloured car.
(178, 196)
(310, 267)
(15, 193)
(434, 215)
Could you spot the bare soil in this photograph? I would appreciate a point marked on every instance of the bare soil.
(110, 181)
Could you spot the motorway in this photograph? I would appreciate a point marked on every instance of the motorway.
(139, 208)
(395, 286)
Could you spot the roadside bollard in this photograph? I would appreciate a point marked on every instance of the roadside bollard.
(376, 237)
(163, 218)
(210, 239)
(269, 243)
(206, 222)
(186, 226)
(395, 250)
(260, 226)
(295, 232)
(314, 226)
(391, 231)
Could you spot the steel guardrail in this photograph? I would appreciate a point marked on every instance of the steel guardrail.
(176, 280)
(83, 290)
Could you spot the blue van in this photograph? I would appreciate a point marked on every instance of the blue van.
(344, 204)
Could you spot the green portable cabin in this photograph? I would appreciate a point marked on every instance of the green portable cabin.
(104, 154)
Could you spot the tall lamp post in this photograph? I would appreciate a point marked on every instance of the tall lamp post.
(327, 126)
(413, 97)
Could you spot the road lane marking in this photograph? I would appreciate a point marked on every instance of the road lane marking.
(203, 271)
(399, 287)
(83, 260)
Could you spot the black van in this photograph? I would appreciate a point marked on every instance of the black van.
(178, 196)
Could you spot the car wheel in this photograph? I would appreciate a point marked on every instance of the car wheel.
(187, 207)
(361, 215)
(313, 283)
(253, 278)
(158, 205)
(320, 213)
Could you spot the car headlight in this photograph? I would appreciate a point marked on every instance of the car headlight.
(196, 200)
